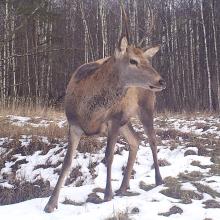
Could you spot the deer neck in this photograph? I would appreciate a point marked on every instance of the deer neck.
(109, 90)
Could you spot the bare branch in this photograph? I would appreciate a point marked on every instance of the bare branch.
(151, 28)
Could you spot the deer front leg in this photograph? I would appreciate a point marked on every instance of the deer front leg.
(74, 137)
(146, 117)
(109, 154)
(128, 132)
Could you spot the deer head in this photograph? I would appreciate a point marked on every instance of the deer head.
(135, 67)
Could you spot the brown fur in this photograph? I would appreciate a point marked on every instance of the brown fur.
(101, 98)
(88, 107)
(104, 95)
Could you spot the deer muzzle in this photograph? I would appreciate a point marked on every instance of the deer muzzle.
(159, 86)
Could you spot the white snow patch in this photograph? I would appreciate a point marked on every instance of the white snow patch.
(149, 203)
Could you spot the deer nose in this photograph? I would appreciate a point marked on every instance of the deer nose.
(162, 82)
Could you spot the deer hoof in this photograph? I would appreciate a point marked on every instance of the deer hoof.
(50, 208)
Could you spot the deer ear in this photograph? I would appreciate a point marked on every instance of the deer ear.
(149, 53)
(122, 46)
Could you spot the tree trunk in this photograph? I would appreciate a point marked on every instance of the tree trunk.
(206, 59)
(216, 53)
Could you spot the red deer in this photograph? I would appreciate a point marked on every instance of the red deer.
(105, 95)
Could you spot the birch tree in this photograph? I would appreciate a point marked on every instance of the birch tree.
(42, 43)
(206, 58)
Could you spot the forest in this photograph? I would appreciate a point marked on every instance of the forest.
(42, 42)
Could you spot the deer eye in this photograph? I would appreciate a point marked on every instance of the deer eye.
(133, 62)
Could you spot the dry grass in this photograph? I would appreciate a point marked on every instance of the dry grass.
(14, 147)
(28, 108)
(173, 134)
(31, 110)
(210, 204)
(124, 215)
(48, 165)
(198, 164)
(189, 152)
(162, 163)
(72, 202)
(145, 187)
(89, 144)
(10, 130)
(186, 114)
(171, 181)
(92, 170)
(24, 191)
(55, 134)
(94, 198)
(120, 216)
(185, 196)
(52, 131)
(192, 176)
(173, 210)
(206, 189)
(215, 169)
(174, 190)
(74, 174)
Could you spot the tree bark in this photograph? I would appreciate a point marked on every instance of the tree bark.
(210, 106)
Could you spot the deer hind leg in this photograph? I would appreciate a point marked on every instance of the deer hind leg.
(146, 117)
(74, 138)
(133, 140)
(109, 154)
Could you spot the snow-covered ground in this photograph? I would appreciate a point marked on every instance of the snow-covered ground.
(189, 155)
